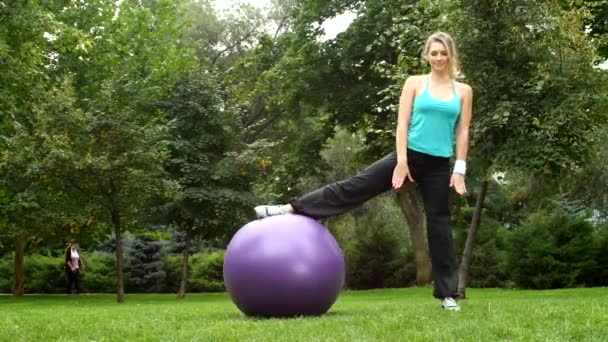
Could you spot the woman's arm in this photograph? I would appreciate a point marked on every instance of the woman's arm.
(402, 172)
(462, 142)
(403, 119)
(462, 130)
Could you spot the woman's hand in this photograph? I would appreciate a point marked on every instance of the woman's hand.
(457, 182)
(400, 173)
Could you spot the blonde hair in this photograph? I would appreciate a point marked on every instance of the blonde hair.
(448, 42)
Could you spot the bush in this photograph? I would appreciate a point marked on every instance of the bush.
(6, 273)
(552, 251)
(601, 238)
(100, 273)
(488, 255)
(44, 274)
(172, 265)
(375, 242)
(207, 272)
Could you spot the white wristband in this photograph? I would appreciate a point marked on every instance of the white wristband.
(460, 166)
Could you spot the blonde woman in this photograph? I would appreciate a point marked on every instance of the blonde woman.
(435, 113)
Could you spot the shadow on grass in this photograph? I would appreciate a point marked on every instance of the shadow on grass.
(329, 315)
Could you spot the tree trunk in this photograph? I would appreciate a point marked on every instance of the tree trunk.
(468, 247)
(411, 206)
(120, 284)
(18, 288)
(181, 294)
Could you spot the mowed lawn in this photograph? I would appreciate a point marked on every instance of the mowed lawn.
(380, 315)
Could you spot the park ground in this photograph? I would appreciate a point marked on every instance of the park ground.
(409, 314)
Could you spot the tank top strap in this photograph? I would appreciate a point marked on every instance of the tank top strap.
(454, 87)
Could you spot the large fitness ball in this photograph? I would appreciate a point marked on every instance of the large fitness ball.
(286, 265)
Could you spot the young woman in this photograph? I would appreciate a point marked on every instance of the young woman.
(73, 266)
(434, 112)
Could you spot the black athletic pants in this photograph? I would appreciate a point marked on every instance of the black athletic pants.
(431, 174)
(73, 280)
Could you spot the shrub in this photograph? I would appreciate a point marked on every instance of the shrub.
(601, 238)
(488, 255)
(552, 251)
(44, 274)
(172, 265)
(376, 246)
(6, 273)
(207, 272)
(100, 273)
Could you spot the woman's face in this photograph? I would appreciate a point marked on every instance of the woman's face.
(75, 245)
(438, 56)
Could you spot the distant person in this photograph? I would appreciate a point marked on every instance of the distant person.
(434, 116)
(73, 266)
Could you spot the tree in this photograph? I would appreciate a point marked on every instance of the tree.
(221, 39)
(145, 264)
(595, 20)
(118, 137)
(208, 164)
(538, 92)
(31, 199)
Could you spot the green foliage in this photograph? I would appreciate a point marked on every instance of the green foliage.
(26, 54)
(488, 256)
(6, 271)
(595, 20)
(100, 273)
(205, 160)
(172, 265)
(552, 251)
(588, 185)
(46, 274)
(601, 241)
(377, 252)
(145, 264)
(31, 202)
(538, 93)
(373, 237)
(207, 272)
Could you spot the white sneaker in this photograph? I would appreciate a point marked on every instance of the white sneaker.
(262, 211)
(448, 303)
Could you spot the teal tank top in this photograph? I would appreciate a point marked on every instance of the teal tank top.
(432, 123)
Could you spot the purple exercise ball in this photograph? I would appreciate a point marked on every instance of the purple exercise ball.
(281, 266)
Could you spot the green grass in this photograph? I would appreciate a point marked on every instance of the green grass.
(379, 315)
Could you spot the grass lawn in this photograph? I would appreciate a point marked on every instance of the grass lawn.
(379, 315)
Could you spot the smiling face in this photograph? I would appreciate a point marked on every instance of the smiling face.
(438, 56)
(440, 52)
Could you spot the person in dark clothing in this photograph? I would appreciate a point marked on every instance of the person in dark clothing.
(73, 266)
